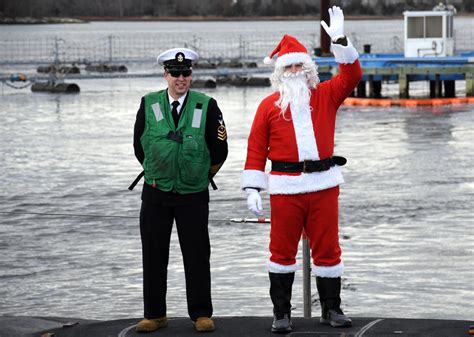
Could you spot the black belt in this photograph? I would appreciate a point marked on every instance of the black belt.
(308, 166)
(137, 179)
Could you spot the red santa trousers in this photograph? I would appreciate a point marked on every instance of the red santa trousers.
(317, 214)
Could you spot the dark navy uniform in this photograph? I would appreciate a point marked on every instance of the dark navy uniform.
(190, 212)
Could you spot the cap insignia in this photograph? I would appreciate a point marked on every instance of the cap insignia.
(180, 57)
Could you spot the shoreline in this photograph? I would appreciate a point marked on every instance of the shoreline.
(195, 18)
(233, 18)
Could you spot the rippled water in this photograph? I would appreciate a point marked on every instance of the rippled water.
(405, 221)
(406, 207)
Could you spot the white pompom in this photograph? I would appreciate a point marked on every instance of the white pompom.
(268, 60)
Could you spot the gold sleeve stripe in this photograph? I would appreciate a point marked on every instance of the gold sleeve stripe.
(221, 133)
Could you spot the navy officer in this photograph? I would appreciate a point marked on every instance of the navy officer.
(181, 141)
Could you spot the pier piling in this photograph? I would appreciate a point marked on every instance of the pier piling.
(470, 84)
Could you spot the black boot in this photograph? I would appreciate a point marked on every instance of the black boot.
(280, 293)
(329, 290)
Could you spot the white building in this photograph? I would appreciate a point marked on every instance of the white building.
(429, 33)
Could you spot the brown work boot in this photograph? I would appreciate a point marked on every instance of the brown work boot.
(204, 324)
(149, 325)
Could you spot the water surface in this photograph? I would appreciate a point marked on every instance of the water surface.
(405, 209)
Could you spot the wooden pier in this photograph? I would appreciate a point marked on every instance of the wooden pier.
(405, 74)
(441, 73)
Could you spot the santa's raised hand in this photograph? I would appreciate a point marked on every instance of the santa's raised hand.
(336, 17)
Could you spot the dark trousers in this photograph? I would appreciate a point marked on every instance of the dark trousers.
(156, 222)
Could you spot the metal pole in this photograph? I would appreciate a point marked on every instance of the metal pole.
(324, 37)
(110, 48)
(306, 279)
(56, 50)
(241, 52)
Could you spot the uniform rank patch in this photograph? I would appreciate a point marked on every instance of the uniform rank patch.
(221, 131)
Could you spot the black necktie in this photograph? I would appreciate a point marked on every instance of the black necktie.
(174, 112)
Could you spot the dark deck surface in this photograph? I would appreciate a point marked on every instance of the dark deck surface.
(234, 326)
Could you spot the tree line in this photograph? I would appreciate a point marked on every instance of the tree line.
(206, 8)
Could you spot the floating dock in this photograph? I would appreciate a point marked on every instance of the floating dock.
(234, 327)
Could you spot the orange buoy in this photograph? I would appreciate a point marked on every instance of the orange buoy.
(471, 330)
(409, 102)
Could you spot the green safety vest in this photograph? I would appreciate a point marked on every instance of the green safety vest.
(179, 160)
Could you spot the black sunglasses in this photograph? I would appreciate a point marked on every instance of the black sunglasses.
(177, 73)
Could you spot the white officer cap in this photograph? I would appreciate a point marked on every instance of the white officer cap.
(177, 57)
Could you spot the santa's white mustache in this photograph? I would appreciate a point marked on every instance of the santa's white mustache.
(298, 74)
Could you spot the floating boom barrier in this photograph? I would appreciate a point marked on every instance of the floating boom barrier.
(68, 88)
(409, 102)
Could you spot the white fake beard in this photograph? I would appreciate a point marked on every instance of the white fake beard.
(293, 89)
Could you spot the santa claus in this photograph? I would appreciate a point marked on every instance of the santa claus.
(294, 128)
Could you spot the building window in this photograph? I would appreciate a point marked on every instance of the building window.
(415, 27)
(434, 26)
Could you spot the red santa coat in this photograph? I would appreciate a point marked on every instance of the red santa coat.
(305, 135)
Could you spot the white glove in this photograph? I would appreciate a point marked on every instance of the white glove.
(254, 201)
(336, 17)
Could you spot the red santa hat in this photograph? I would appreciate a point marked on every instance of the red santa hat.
(290, 51)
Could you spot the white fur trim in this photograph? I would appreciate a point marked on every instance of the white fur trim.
(305, 182)
(255, 179)
(292, 58)
(344, 54)
(282, 269)
(304, 133)
(331, 271)
(268, 60)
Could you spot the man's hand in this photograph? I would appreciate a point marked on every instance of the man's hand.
(254, 201)
(336, 17)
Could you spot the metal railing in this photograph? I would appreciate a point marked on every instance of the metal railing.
(137, 49)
